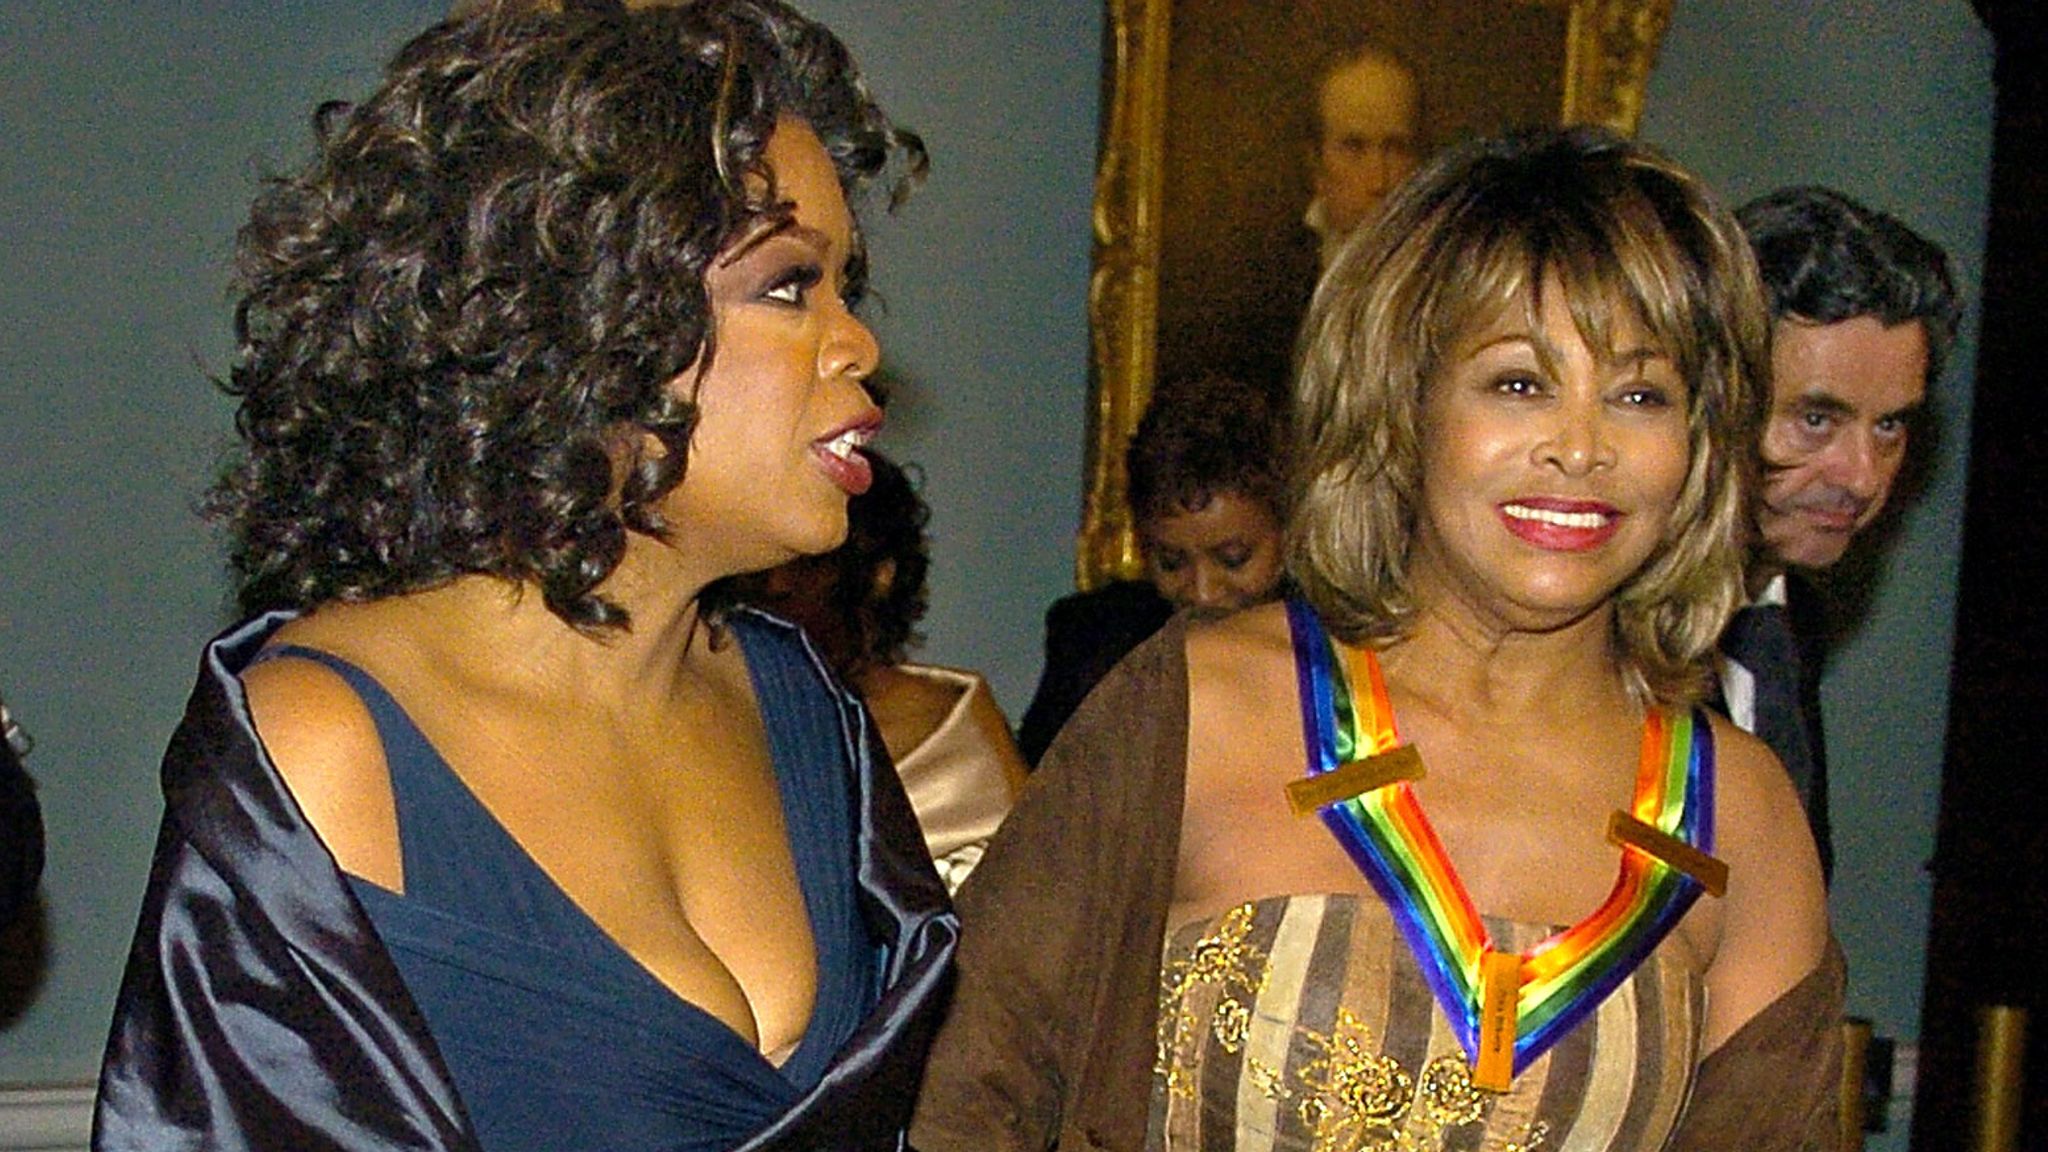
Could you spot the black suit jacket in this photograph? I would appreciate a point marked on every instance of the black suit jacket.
(1809, 631)
(1805, 611)
(1085, 635)
(21, 837)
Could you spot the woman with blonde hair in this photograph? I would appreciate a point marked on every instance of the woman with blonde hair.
(1441, 852)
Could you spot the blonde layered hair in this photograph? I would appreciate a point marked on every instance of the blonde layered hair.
(1626, 235)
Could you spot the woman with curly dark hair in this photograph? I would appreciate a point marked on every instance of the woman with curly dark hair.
(488, 829)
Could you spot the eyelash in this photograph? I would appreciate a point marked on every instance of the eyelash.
(797, 282)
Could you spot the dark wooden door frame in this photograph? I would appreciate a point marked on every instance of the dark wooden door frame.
(1988, 933)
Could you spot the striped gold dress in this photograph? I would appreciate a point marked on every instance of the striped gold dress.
(1302, 1024)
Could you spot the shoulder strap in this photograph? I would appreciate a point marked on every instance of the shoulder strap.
(435, 808)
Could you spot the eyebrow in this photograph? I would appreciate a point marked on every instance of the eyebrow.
(769, 229)
(1636, 357)
(1504, 339)
(1823, 401)
(1644, 354)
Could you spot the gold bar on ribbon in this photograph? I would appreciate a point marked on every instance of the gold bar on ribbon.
(1353, 778)
(1628, 831)
(1500, 986)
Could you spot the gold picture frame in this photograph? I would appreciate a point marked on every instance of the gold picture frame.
(1597, 73)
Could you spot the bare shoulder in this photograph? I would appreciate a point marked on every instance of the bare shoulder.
(1759, 816)
(908, 707)
(1243, 704)
(1239, 657)
(1773, 920)
(928, 691)
(321, 738)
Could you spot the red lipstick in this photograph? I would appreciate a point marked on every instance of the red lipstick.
(1561, 525)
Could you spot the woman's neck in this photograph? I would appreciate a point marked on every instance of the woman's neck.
(1467, 664)
(488, 630)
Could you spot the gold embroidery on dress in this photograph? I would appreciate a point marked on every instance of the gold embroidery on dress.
(1233, 1024)
(1222, 960)
(1349, 1096)
(1354, 1096)
(1448, 1093)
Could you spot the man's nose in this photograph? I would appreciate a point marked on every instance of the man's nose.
(1858, 465)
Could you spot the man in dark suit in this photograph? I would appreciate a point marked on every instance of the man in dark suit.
(21, 823)
(1864, 311)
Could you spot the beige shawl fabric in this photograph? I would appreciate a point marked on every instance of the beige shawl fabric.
(964, 776)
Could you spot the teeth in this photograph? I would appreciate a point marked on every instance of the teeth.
(848, 442)
(1559, 519)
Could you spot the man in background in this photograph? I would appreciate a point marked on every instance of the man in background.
(21, 823)
(1368, 117)
(1864, 312)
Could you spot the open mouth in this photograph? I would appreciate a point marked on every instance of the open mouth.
(1583, 521)
(847, 444)
(1561, 525)
(842, 459)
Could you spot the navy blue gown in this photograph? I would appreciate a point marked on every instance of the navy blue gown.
(270, 1002)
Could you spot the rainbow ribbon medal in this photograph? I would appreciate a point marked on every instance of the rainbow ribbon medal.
(1506, 1008)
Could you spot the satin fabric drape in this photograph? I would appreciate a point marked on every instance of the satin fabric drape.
(259, 1010)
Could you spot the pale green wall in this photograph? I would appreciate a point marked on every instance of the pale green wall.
(1890, 102)
(984, 279)
(128, 135)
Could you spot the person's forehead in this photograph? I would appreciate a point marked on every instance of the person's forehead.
(1860, 364)
(1373, 89)
(1227, 517)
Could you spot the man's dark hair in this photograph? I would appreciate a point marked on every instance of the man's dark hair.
(460, 323)
(1826, 258)
(1203, 436)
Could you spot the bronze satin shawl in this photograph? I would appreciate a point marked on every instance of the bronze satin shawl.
(1052, 1035)
(259, 1010)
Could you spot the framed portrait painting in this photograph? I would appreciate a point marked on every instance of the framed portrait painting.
(1242, 138)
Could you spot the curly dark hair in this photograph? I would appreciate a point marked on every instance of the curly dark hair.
(860, 602)
(471, 304)
(1205, 435)
(1826, 258)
